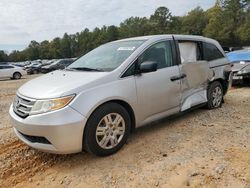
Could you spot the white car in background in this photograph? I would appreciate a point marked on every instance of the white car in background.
(11, 71)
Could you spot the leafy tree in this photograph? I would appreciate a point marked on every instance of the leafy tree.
(3, 56)
(161, 20)
(244, 30)
(234, 16)
(65, 46)
(33, 50)
(215, 27)
(112, 33)
(44, 50)
(54, 48)
(176, 25)
(16, 56)
(195, 22)
(134, 26)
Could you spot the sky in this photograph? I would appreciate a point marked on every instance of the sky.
(24, 20)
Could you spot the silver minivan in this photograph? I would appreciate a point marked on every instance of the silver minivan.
(97, 101)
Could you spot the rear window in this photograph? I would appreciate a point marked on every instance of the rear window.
(211, 52)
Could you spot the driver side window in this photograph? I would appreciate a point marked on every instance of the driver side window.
(161, 53)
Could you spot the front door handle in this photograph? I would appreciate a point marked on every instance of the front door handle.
(174, 78)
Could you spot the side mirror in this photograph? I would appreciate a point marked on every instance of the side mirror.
(148, 66)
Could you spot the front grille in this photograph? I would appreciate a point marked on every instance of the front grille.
(35, 139)
(22, 106)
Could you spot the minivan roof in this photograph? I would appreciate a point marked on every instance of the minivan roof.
(177, 37)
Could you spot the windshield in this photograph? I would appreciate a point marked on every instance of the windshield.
(106, 57)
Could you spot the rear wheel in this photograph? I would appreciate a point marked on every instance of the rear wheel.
(107, 130)
(214, 95)
(16, 75)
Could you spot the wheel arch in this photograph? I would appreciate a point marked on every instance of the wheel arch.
(129, 110)
(16, 72)
(124, 104)
(223, 82)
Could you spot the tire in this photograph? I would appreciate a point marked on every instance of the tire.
(17, 75)
(35, 72)
(101, 131)
(246, 81)
(215, 95)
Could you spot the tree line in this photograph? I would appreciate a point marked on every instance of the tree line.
(228, 21)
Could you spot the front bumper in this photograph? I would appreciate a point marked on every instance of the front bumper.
(241, 76)
(63, 129)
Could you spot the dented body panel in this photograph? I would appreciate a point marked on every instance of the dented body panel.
(194, 86)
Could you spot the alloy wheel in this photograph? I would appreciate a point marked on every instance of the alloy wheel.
(217, 97)
(110, 131)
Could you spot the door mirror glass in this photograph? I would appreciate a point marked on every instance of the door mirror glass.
(148, 66)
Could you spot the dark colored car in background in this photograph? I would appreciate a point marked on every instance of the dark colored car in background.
(36, 68)
(241, 65)
(57, 65)
(33, 64)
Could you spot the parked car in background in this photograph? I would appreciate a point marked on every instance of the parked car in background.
(11, 71)
(99, 99)
(57, 65)
(36, 68)
(241, 65)
(17, 64)
(32, 64)
(226, 49)
(21, 64)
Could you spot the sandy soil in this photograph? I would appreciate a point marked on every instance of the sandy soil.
(199, 149)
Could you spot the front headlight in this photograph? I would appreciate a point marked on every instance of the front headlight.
(42, 106)
(242, 72)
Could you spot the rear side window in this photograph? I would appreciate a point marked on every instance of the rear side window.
(190, 51)
(211, 52)
(6, 67)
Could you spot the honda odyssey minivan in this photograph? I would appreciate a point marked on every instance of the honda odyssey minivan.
(98, 100)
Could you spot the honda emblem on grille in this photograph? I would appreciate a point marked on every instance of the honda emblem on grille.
(18, 103)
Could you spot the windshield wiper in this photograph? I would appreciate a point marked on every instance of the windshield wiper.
(85, 69)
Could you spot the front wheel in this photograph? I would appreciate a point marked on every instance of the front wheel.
(16, 75)
(214, 95)
(107, 130)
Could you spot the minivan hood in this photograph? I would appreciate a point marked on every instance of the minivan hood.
(57, 83)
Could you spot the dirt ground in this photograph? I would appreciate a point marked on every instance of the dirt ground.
(199, 149)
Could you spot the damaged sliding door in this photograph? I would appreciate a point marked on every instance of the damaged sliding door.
(196, 74)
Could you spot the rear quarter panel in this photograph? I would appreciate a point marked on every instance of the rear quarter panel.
(222, 70)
